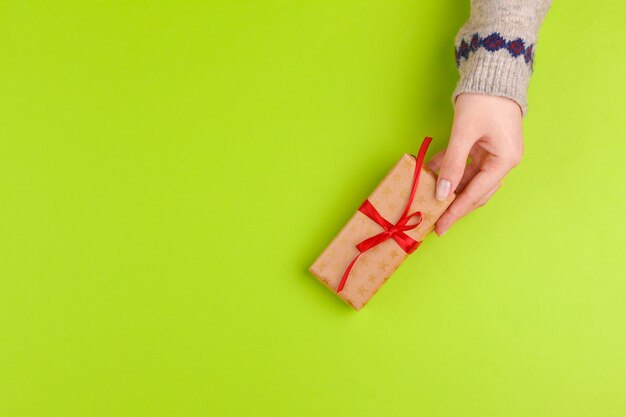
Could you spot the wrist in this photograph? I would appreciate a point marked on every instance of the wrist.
(481, 99)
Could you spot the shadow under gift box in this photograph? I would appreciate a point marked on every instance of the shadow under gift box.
(376, 265)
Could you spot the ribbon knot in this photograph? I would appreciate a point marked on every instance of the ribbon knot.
(390, 230)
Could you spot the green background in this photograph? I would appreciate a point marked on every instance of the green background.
(170, 169)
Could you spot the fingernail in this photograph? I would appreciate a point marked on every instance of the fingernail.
(443, 189)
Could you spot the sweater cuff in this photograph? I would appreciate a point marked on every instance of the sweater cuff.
(495, 73)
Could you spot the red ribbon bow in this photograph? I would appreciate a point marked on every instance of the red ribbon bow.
(392, 231)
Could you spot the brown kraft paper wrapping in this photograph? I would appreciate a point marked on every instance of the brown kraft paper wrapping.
(375, 266)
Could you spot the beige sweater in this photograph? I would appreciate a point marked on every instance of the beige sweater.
(495, 48)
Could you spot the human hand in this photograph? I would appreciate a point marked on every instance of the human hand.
(487, 129)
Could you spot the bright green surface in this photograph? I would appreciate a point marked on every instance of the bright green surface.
(169, 170)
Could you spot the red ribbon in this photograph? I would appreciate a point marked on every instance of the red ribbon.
(392, 231)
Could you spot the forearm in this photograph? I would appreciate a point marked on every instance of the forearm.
(495, 48)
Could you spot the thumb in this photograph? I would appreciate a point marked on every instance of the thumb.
(453, 166)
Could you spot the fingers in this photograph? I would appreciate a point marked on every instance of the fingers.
(476, 156)
(470, 172)
(447, 220)
(489, 195)
(475, 195)
(453, 166)
(435, 163)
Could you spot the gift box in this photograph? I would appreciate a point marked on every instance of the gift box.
(389, 225)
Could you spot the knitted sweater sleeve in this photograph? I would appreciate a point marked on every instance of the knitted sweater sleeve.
(495, 48)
